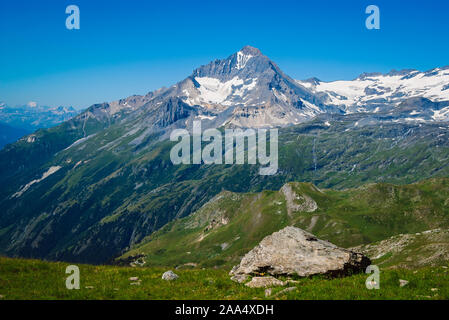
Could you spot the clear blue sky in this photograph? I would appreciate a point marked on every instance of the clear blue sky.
(135, 46)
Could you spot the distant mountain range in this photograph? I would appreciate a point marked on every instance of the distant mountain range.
(33, 116)
(15, 122)
(376, 92)
(99, 183)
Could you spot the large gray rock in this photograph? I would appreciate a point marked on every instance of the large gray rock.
(292, 251)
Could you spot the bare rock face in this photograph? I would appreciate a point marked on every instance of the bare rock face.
(297, 202)
(293, 251)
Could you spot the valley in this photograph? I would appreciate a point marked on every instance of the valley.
(107, 185)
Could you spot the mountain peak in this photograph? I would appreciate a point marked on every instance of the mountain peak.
(235, 64)
(248, 50)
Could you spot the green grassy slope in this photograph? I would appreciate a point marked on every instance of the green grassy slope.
(118, 186)
(34, 279)
(231, 224)
(415, 250)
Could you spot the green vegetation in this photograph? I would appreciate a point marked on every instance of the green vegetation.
(119, 186)
(410, 251)
(117, 190)
(33, 279)
(231, 224)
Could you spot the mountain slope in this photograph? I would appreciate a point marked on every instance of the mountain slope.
(411, 250)
(231, 224)
(10, 134)
(111, 188)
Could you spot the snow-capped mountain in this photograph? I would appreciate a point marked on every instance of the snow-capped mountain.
(376, 92)
(247, 89)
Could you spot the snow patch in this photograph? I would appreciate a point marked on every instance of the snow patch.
(214, 91)
(242, 60)
(79, 141)
(204, 117)
(49, 172)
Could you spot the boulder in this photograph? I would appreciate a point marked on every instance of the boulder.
(169, 276)
(295, 252)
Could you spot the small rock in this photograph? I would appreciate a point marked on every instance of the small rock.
(134, 279)
(240, 278)
(260, 282)
(169, 276)
(89, 287)
(403, 283)
(1, 296)
(135, 283)
(115, 289)
(187, 265)
(291, 281)
(284, 291)
(444, 267)
(434, 289)
(267, 292)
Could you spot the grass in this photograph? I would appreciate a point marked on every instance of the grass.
(36, 279)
